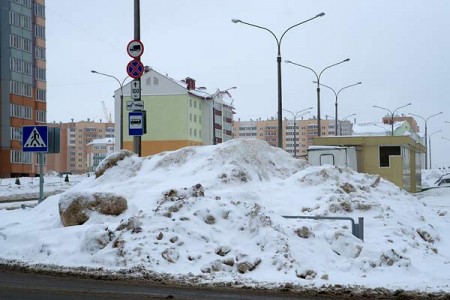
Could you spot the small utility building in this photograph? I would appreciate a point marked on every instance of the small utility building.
(396, 158)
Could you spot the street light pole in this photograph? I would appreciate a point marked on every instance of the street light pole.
(429, 144)
(392, 114)
(278, 41)
(294, 115)
(336, 94)
(121, 104)
(319, 132)
(425, 120)
(343, 119)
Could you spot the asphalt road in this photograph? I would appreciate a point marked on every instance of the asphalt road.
(20, 285)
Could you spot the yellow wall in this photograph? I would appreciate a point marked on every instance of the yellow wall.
(154, 147)
(368, 152)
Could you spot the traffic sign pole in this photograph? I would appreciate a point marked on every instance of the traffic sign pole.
(137, 36)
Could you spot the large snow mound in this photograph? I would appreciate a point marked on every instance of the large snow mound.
(215, 214)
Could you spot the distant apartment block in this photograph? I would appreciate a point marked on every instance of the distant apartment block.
(295, 139)
(23, 87)
(76, 142)
(96, 151)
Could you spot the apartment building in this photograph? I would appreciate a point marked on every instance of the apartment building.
(178, 114)
(96, 151)
(75, 138)
(23, 89)
(296, 137)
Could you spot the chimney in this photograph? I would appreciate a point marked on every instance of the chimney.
(190, 83)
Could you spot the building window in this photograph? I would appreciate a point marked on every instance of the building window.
(26, 3)
(16, 133)
(386, 152)
(155, 80)
(39, 31)
(20, 43)
(20, 88)
(40, 74)
(19, 157)
(148, 81)
(20, 111)
(39, 10)
(20, 66)
(41, 116)
(39, 52)
(41, 95)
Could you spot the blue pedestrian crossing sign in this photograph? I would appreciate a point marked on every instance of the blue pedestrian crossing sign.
(35, 138)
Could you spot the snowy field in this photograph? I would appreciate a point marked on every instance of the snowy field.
(213, 215)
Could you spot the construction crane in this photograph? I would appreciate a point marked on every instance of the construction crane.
(105, 112)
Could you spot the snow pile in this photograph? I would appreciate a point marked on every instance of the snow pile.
(215, 214)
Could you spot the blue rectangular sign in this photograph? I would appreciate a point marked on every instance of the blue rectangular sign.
(35, 138)
(136, 123)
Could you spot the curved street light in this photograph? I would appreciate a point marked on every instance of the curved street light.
(319, 132)
(343, 119)
(294, 115)
(336, 94)
(121, 104)
(429, 144)
(392, 114)
(425, 120)
(280, 101)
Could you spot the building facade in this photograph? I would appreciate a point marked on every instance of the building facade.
(178, 114)
(96, 151)
(75, 138)
(395, 158)
(23, 89)
(296, 137)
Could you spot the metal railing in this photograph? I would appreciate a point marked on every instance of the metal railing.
(357, 228)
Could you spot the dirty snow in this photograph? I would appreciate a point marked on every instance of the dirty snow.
(214, 214)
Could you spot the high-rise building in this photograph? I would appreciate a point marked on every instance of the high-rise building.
(23, 86)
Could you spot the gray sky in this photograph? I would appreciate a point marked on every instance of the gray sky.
(400, 50)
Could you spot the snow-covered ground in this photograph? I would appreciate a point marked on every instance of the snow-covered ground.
(214, 214)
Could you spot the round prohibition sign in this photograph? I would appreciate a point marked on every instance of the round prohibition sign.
(135, 69)
(135, 48)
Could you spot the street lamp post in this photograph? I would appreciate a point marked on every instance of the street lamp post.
(294, 115)
(336, 94)
(425, 120)
(429, 144)
(386, 131)
(319, 132)
(280, 101)
(392, 114)
(343, 119)
(121, 104)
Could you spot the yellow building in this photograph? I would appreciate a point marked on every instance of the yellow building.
(395, 158)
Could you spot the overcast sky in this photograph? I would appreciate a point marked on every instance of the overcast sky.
(400, 50)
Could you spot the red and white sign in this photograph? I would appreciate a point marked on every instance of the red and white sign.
(135, 48)
(135, 69)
